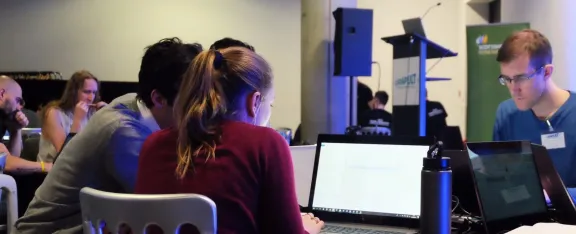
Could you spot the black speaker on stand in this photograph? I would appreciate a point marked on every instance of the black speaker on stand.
(353, 49)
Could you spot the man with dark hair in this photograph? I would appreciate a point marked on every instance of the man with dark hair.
(230, 42)
(539, 111)
(104, 155)
(377, 116)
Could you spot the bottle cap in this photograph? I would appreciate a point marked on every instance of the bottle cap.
(437, 163)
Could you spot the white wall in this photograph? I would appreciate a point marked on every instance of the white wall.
(477, 13)
(445, 25)
(108, 37)
(555, 19)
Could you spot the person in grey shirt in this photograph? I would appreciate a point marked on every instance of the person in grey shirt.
(104, 155)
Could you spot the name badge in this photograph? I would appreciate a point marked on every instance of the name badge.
(553, 140)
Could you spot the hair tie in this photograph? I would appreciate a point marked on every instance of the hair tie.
(218, 60)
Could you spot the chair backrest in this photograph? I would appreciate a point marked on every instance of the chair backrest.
(169, 212)
(8, 185)
(33, 118)
(286, 133)
(30, 148)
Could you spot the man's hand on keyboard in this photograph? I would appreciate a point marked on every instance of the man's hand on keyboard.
(312, 224)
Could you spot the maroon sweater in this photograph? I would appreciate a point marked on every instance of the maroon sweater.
(251, 180)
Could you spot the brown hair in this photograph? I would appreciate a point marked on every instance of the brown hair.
(526, 41)
(210, 88)
(68, 100)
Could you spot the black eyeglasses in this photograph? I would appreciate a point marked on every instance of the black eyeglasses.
(20, 101)
(519, 78)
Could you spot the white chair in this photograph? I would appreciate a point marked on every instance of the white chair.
(139, 211)
(8, 185)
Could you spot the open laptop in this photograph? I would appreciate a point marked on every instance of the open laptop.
(463, 183)
(25, 132)
(303, 159)
(507, 184)
(560, 199)
(368, 184)
(414, 26)
(452, 138)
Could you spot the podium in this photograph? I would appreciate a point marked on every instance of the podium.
(410, 52)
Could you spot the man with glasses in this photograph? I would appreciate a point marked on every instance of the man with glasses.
(539, 111)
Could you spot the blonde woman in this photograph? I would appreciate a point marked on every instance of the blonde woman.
(221, 148)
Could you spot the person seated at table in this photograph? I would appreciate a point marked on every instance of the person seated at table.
(221, 148)
(12, 120)
(104, 155)
(81, 98)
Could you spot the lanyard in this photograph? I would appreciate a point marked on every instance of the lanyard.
(550, 128)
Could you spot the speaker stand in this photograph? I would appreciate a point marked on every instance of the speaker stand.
(353, 101)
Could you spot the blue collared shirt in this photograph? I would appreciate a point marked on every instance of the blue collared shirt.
(513, 124)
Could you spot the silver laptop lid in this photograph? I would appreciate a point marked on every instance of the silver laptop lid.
(303, 161)
(414, 26)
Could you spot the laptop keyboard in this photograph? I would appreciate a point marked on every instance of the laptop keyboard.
(349, 230)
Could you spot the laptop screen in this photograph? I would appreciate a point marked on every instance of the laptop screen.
(303, 161)
(369, 179)
(507, 180)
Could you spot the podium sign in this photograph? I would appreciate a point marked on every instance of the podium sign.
(406, 82)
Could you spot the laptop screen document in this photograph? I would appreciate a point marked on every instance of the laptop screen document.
(369, 179)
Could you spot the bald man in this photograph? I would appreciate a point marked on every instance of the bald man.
(13, 120)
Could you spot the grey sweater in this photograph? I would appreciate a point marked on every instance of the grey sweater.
(104, 156)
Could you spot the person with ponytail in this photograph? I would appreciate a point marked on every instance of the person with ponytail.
(220, 147)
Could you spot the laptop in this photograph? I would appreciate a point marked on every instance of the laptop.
(25, 132)
(560, 199)
(414, 26)
(463, 183)
(30, 131)
(507, 184)
(368, 184)
(303, 159)
(452, 138)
